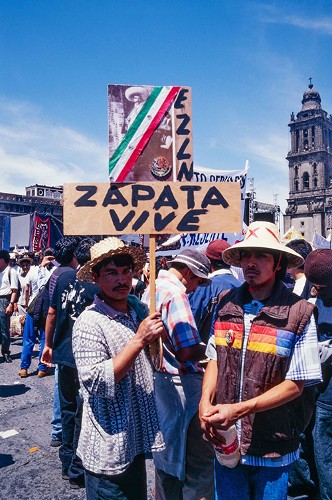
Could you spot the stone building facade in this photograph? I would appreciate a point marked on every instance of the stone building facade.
(310, 168)
(45, 200)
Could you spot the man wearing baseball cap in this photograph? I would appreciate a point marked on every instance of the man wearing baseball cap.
(185, 468)
(262, 355)
(204, 299)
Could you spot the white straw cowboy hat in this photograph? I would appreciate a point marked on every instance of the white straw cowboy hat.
(26, 258)
(262, 236)
(106, 248)
(132, 91)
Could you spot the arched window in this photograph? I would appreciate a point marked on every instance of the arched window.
(305, 179)
(313, 136)
(314, 167)
(296, 185)
(296, 171)
(315, 182)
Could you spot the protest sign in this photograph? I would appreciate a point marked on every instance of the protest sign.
(201, 240)
(151, 208)
(150, 133)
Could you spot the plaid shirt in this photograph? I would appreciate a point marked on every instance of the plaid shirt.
(172, 301)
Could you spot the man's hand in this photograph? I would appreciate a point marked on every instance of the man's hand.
(220, 416)
(150, 329)
(10, 309)
(46, 358)
(209, 432)
(47, 260)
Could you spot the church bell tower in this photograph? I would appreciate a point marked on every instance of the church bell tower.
(310, 168)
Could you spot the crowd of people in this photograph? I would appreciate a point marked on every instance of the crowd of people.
(244, 336)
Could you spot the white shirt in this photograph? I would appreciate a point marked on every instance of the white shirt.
(6, 287)
(32, 281)
(299, 285)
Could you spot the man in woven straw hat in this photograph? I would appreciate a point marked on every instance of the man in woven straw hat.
(110, 340)
(263, 355)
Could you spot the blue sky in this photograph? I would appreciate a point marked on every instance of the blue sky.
(248, 64)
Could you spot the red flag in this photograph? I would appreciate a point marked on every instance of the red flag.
(40, 234)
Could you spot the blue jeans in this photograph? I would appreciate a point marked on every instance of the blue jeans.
(4, 326)
(29, 341)
(251, 483)
(56, 432)
(130, 485)
(322, 434)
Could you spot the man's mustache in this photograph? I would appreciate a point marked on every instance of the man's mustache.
(121, 287)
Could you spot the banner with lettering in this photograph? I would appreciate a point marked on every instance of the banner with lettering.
(40, 233)
(200, 241)
(150, 136)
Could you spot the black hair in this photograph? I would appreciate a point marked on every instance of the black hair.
(120, 260)
(5, 256)
(64, 249)
(281, 259)
(48, 251)
(301, 247)
(178, 266)
(82, 251)
(219, 264)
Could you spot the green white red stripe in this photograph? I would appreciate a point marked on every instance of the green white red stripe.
(140, 131)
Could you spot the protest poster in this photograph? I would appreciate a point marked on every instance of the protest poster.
(150, 208)
(150, 133)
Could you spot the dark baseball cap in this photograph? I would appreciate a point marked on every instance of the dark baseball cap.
(215, 249)
(197, 262)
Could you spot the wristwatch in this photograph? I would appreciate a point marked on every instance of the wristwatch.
(11, 303)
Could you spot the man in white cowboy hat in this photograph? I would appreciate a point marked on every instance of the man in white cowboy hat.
(185, 468)
(137, 95)
(263, 356)
(110, 339)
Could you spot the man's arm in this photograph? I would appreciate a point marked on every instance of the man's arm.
(192, 353)
(148, 331)
(13, 283)
(98, 369)
(27, 293)
(208, 389)
(49, 334)
(224, 415)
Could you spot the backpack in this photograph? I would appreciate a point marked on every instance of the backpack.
(39, 307)
(205, 322)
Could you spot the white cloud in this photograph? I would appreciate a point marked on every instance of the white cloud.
(270, 149)
(323, 25)
(270, 14)
(34, 151)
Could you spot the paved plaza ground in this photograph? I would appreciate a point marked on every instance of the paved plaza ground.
(29, 467)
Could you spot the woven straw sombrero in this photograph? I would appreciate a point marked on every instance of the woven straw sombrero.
(262, 236)
(107, 248)
(132, 91)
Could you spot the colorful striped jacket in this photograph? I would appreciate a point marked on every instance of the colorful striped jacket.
(270, 345)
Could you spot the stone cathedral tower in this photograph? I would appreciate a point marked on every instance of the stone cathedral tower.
(310, 168)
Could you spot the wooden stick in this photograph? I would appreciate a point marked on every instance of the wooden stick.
(156, 349)
(152, 280)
